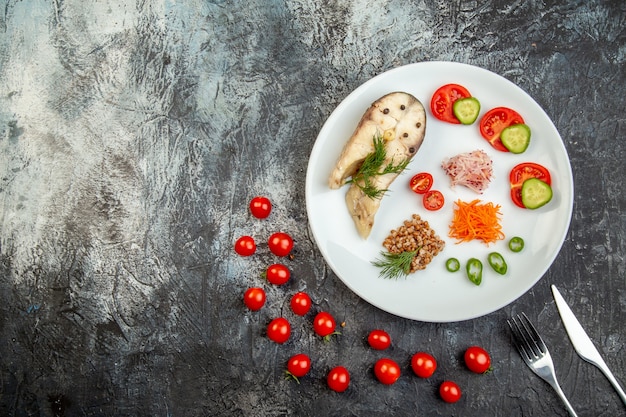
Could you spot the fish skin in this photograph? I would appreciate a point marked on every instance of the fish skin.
(396, 123)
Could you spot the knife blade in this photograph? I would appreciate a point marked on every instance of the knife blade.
(581, 341)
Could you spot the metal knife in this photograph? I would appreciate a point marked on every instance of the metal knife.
(582, 343)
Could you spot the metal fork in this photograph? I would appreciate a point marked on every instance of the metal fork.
(534, 352)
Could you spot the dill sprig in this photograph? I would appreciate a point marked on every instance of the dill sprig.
(395, 265)
(373, 166)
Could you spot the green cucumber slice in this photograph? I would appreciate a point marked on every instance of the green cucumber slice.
(516, 138)
(466, 110)
(535, 193)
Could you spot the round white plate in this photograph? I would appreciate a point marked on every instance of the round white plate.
(434, 294)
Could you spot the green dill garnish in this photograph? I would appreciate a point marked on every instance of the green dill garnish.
(373, 166)
(395, 265)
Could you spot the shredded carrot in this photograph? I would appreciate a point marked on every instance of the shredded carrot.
(474, 220)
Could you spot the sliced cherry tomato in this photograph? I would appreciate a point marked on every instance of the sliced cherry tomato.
(245, 246)
(449, 392)
(260, 207)
(254, 298)
(280, 244)
(324, 324)
(338, 379)
(421, 183)
(477, 359)
(277, 274)
(298, 366)
(443, 99)
(523, 172)
(279, 330)
(379, 339)
(433, 200)
(301, 303)
(495, 121)
(387, 371)
(423, 364)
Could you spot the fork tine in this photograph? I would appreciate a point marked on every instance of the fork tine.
(534, 335)
(521, 342)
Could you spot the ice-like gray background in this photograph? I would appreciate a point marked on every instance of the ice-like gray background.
(134, 133)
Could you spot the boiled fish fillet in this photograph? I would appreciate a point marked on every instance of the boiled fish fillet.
(400, 119)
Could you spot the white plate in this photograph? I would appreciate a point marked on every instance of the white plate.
(434, 294)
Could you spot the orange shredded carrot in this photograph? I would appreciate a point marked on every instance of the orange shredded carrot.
(474, 220)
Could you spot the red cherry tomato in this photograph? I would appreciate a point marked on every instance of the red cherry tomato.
(279, 330)
(423, 364)
(245, 246)
(477, 359)
(298, 366)
(521, 173)
(449, 392)
(277, 274)
(260, 207)
(338, 379)
(443, 99)
(421, 183)
(254, 298)
(324, 324)
(433, 200)
(495, 121)
(379, 339)
(280, 244)
(300, 303)
(387, 371)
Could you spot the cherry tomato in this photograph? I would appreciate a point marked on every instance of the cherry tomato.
(338, 379)
(477, 359)
(387, 371)
(494, 122)
(298, 366)
(279, 330)
(300, 303)
(245, 246)
(277, 274)
(433, 200)
(420, 183)
(254, 298)
(449, 392)
(423, 364)
(443, 99)
(521, 173)
(280, 244)
(260, 207)
(379, 339)
(324, 324)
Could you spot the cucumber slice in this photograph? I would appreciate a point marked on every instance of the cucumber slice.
(516, 138)
(535, 193)
(466, 110)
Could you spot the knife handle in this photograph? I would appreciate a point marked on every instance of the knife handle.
(607, 372)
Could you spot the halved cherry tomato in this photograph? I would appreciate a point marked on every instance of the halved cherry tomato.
(449, 391)
(277, 274)
(421, 183)
(338, 379)
(477, 359)
(433, 200)
(254, 298)
(523, 172)
(298, 366)
(379, 339)
(423, 364)
(245, 246)
(260, 207)
(279, 330)
(495, 121)
(280, 244)
(301, 303)
(387, 371)
(443, 99)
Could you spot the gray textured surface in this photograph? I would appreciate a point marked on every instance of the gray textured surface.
(134, 133)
